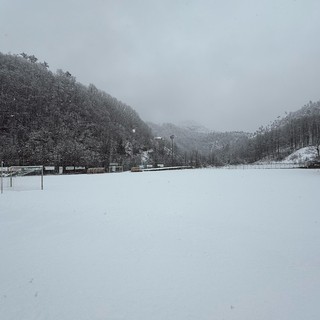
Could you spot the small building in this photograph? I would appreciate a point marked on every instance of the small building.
(115, 167)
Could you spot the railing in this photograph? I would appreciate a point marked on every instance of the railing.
(271, 165)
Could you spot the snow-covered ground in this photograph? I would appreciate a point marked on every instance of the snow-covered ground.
(302, 155)
(174, 245)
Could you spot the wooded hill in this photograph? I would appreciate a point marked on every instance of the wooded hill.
(50, 118)
(271, 143)
(294, 131)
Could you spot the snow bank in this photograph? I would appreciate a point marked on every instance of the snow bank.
(302, 155)
(174, 245)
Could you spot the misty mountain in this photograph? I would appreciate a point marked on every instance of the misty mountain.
(185, 138)
(197, 145)
(193, 126)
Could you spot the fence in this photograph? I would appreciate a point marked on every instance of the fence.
(271, 165)
(21, 178)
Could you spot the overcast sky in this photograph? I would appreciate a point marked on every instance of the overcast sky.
(227, 64)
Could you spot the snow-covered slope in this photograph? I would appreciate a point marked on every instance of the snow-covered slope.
(302, 155)
(180, 245)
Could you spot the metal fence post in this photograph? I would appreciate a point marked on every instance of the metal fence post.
(1, 177)
(41, 177)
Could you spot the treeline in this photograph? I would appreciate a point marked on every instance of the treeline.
(271, 143)
(50, 118)
(296, 130)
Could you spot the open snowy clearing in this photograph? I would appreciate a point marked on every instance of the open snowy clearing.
(174, 245)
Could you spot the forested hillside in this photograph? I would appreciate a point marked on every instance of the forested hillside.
(50, 118)
(271, 143)
(294, 131)
(276, 141)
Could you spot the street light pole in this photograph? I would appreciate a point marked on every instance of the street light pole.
(157, 147)
(172, 138)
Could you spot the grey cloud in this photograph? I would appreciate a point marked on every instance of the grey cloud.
(231, 65)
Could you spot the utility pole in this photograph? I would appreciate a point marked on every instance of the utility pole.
(172, 139)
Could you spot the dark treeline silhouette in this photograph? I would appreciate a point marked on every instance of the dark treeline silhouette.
(50, 118)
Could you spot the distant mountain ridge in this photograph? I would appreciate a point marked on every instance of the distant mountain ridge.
(194, 126)
(197, 144)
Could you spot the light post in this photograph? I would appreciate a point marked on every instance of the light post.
(211, 155)
(172, 139)
(157, 146)
(132, 161)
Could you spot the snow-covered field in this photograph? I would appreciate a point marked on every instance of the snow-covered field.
(174, 245)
